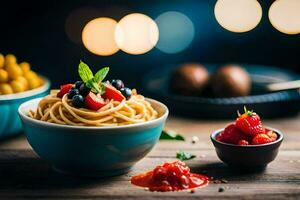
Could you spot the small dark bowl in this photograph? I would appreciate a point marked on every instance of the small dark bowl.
(248, 157)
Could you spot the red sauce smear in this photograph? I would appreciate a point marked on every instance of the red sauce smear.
(173, 176)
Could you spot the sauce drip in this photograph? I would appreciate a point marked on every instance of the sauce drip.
(173, 176)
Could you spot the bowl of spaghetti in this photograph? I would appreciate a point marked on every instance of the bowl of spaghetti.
(104, 136)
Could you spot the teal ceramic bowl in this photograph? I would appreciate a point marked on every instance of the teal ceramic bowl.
(10, 123)
(92, 151)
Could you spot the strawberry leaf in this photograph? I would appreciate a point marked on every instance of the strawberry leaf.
(248, 112)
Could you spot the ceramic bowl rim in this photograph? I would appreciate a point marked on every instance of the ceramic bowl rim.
(29, 93)
(215, 133)
(26, 118)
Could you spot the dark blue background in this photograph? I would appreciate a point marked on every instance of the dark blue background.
(35, 31)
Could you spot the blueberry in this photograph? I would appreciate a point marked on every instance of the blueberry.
(126, 92)
(78, 101)
(118, 84)
(73, 92)
(84, 90)
(78, 84)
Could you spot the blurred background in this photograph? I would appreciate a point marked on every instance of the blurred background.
(51, 36)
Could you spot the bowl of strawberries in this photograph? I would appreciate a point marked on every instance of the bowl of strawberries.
(246, 143)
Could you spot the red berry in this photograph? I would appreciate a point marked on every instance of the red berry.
(112, 93)
(261, 139)
(174, 168)
(272, 135)
(232, 135)
(184, 181)
(250, 123)
(159, 173)
(93, 101)
(64, 89)
(243, 142)
(220, 136)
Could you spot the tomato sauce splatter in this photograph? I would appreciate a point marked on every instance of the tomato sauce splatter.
(173, 176)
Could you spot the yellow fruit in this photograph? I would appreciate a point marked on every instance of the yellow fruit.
(25, 66)
(17, 86)
(10, 59)
(24, 81)
(5, 88)
(3, 76)
(14, 71)
(30, 75)
(2, 60)
(33, 83)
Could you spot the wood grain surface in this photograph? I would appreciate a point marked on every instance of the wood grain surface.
(24, 176)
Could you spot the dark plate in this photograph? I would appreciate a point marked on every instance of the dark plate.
(268, 105)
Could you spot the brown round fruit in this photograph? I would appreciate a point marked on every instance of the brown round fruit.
(231, 81)
(189, 79)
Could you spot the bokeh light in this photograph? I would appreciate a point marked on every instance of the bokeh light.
(176, 32)
(284, 15)
(136, 34)
(238, 15)
(98, 36)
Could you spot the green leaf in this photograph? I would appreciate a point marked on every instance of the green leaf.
(94, 86)
(97, 87)
(89, 83)
(85, 72)
(101, 74)
(182, 155)
(102, 87)
(171, 135)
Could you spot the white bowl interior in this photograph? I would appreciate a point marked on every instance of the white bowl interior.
(29, 105)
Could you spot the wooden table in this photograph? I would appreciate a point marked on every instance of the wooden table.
(24, 175)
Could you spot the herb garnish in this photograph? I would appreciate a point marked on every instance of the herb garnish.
(182, 155)
(91, 81)
(171, 135)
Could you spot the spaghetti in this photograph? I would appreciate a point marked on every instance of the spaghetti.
(61, 111)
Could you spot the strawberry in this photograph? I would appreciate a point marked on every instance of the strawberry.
(232, 135)
(271, 134)
(250, 123)
(64, 89)
(112, 93)
(243, 143)
(261, 139)
(93, 101)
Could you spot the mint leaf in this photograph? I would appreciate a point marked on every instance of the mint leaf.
(171, 135)
(101, 74)
(89, 84)
(103, 88)
(91, 81)
(85, 72)
(96, 87)
(182, 155)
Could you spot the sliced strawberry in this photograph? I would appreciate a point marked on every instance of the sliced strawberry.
(64, 89)
(250, 123)
(112, 93)
(243, 142)
(271, 134)
(232, 135)
(261, 139)
(93, 101)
